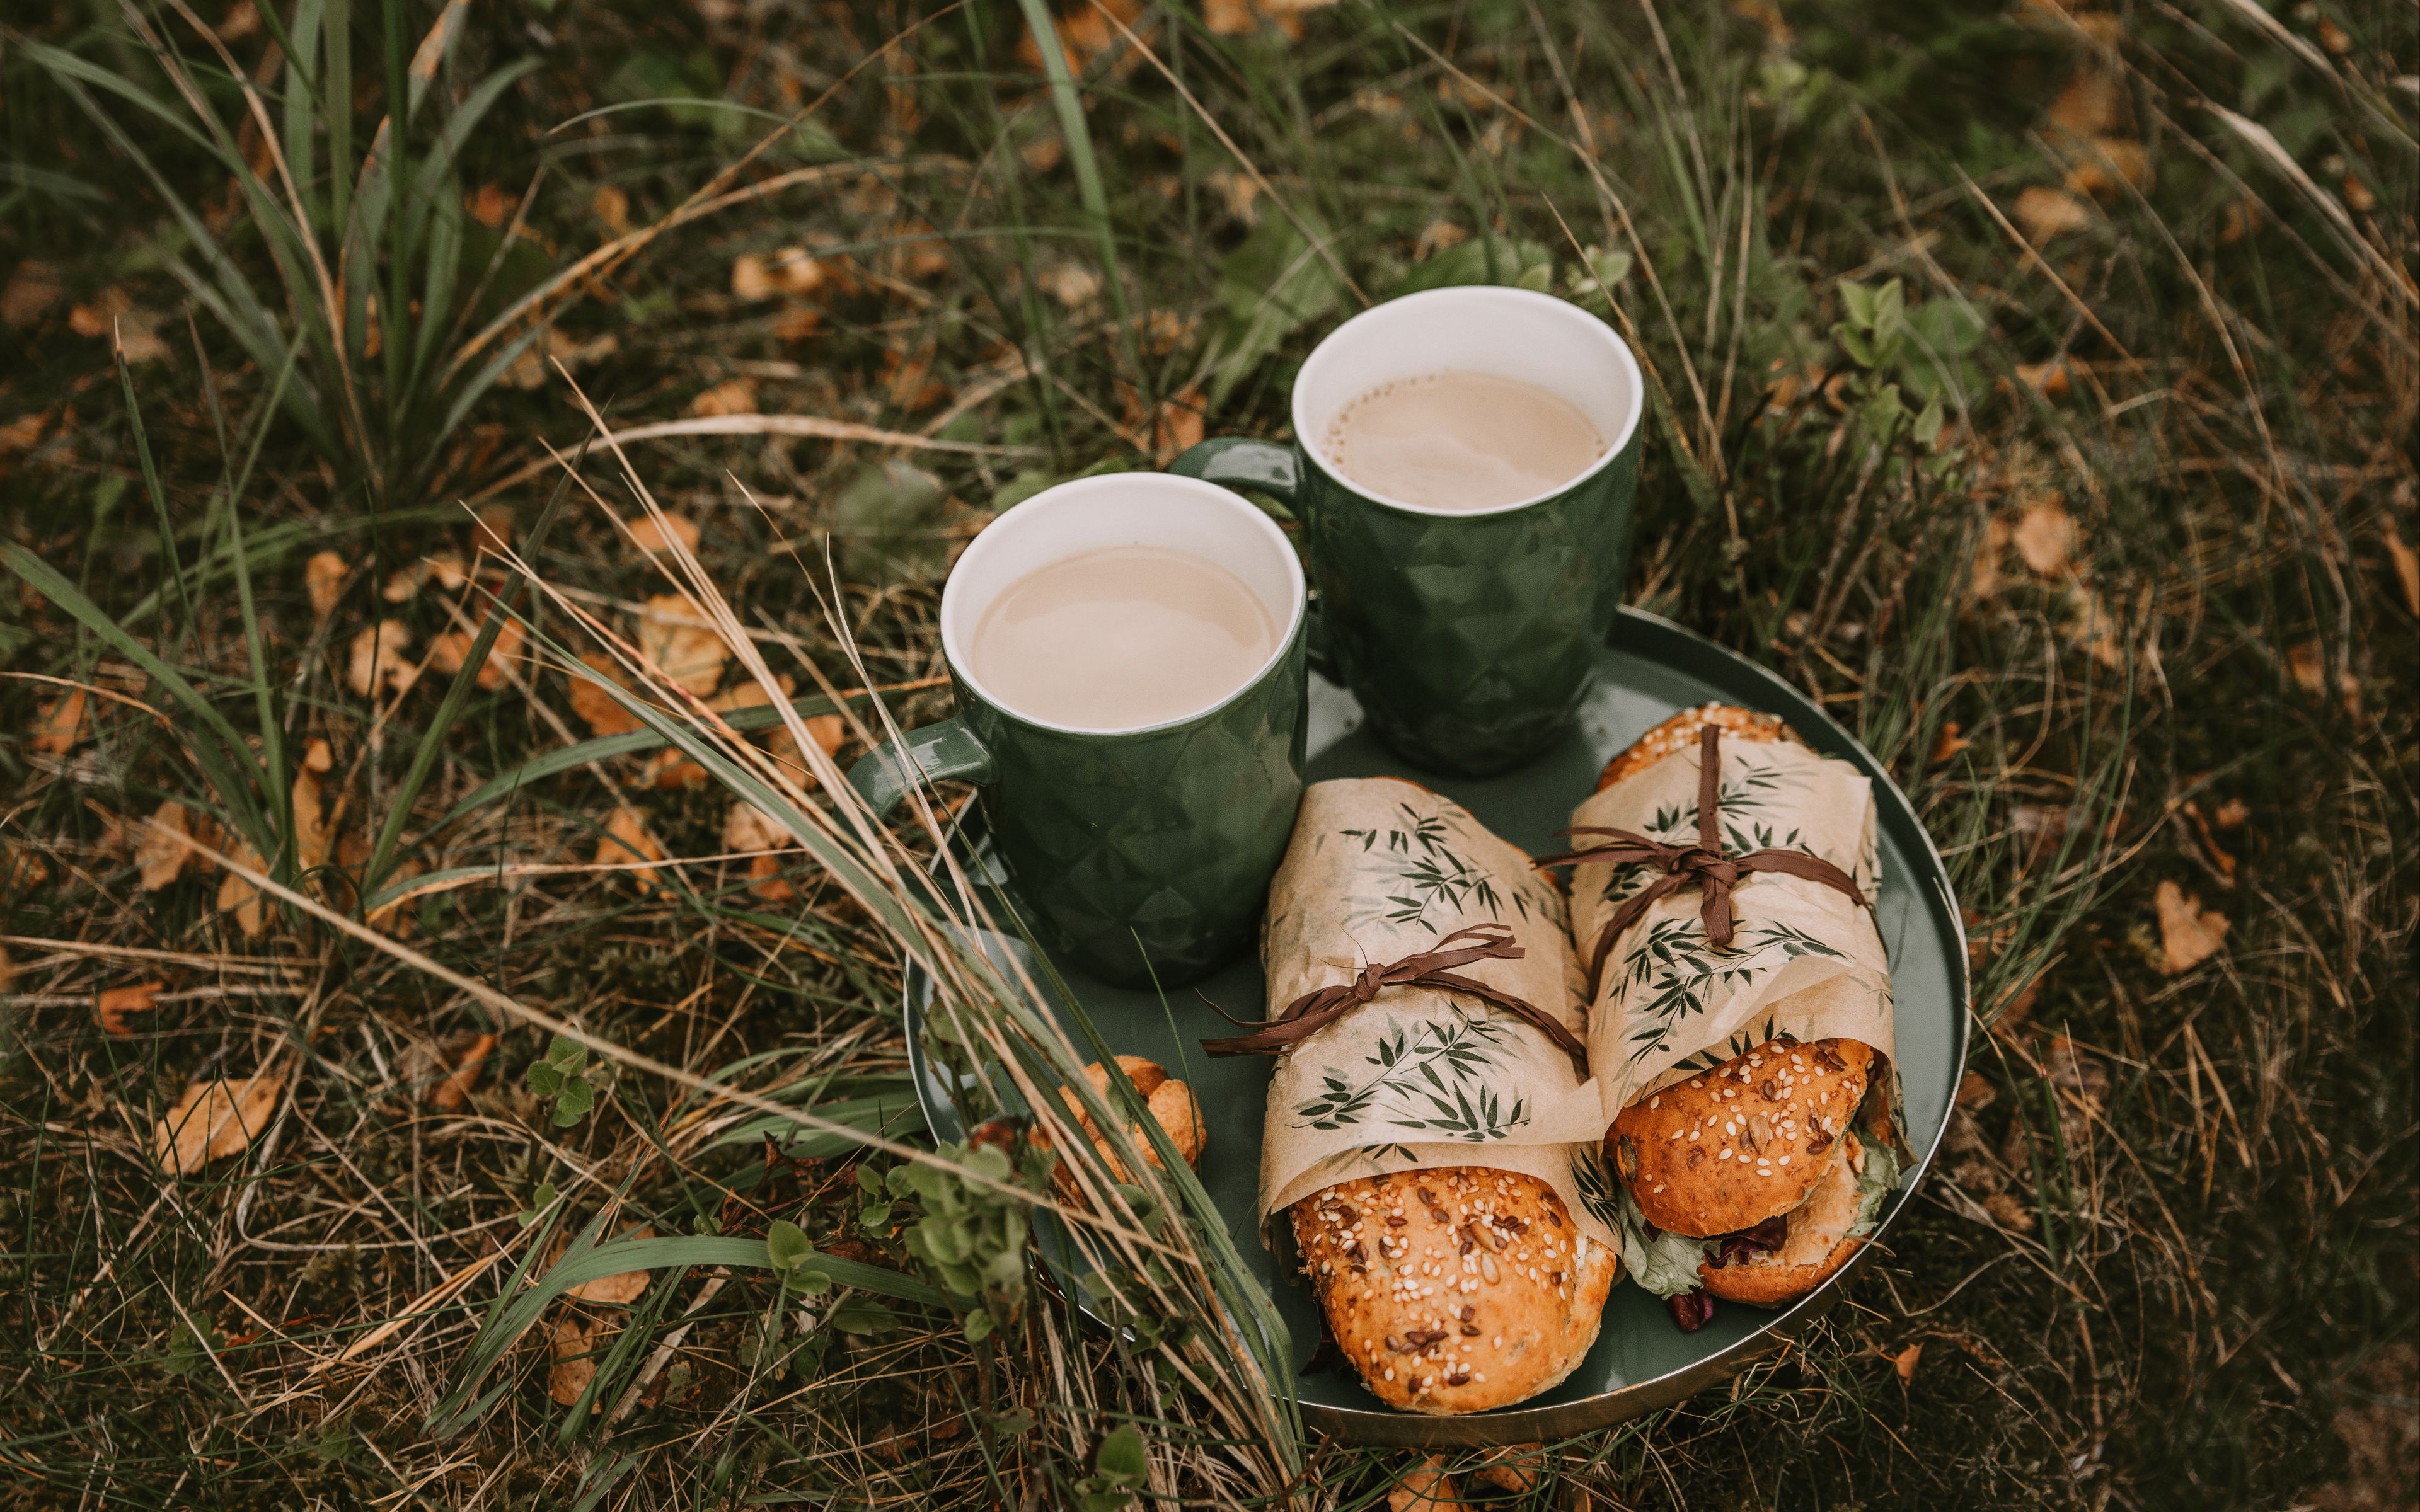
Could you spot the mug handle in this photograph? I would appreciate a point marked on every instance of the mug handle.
(1274, 468)
(884, 776)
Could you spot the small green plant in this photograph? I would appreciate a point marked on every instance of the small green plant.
(1924, 351)
(1119, 1469)
(191, 1345)
(971, 1234)
(873, 1214)
(793, 1258)
(541, 1200)
(561, 1073)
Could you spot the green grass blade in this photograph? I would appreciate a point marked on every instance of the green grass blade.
(585, 1265)
(279, 797)
(606, 747)
(159, 497)
(336, 89)
(458, 694)
(305, 102)
(1078, 134)
(243, 799)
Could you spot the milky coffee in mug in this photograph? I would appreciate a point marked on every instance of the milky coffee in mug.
(1121, 637)
(1462, 466)
(1127, 654)
(1462, 441)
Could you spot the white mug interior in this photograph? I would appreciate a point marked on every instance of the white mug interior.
(1503, 332)
(1121, 509)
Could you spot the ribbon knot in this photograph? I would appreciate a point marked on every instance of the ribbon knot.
(1705, 865)
(1433, 968)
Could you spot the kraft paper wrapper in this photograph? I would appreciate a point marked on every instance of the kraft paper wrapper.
(1419, 1078)
(1804, 961)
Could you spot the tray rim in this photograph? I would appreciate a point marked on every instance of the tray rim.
(1519, 1423)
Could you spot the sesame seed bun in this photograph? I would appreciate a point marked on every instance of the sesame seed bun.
(1454, 1289)
(1818, 1241)
(1728, 1148)
(1680, 732)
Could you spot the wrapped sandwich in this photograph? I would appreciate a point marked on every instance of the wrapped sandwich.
(1740, 1008)
(1433, 1145)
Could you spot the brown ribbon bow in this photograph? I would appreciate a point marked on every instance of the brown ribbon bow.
(1313, 1011)
(1702, 865)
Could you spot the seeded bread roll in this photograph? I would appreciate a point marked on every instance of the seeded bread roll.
(1455, 1289)
(1729, 1147)
(1819, 1240)
(1680, 732)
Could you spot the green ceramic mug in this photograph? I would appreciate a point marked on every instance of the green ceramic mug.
(1142, 854)
(1469, 637)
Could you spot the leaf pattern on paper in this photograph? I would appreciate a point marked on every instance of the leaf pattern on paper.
(1431, 886)
(1744, 804)
(1433, 1081)
(1672, 966)
(1595, 1187)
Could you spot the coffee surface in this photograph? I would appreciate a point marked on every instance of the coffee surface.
(1460, 441)
(1122, 636)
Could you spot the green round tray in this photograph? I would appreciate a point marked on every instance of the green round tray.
(1651, 670)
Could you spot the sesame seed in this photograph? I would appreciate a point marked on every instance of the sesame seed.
(1785, 1160)
(1654, 1103)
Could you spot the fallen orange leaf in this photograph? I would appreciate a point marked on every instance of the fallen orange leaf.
(2309, 665)
(489, 205)
(684, 649)
(110, 1008)
(2049, 379)
(2046, 536)
(1904, 1362)
(1425, 1487)
(241, 898)
(626, 840)
(311, 839)
(574, 1341)
(612, 207)
(598, 709)
(2188, 936)
(651, 537)
(215, 1119)
(449, 649)
(733, 397)
(1949, 744)
(64, 722)
(1983, 581)
(2044, 213)
(2102, 165)
(376, 660)
(750, 694)
(492, 532)
(31, 291)
(324, 577)
(162, 847)
(405, 582)
(622, 1288)
(453, 1094)
(2089, 105)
